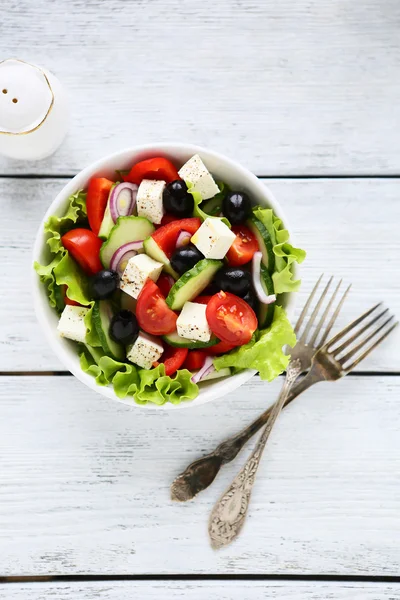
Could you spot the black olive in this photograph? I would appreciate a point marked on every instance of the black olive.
(124, 327)
(251, 299)
(236, 207)
(185, 258)
(104, 284)
(177, 200)
(234, 280)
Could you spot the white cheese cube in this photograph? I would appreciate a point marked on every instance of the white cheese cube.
(213, 238)
(195, 171)
(192, 322)
(149, 200)
(71, 324)
(139, 269)
(145, 351)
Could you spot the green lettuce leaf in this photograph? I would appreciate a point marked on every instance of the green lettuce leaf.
(285, 254)
(198, 212)
(264, 351)
(143, 385)
(55, 227)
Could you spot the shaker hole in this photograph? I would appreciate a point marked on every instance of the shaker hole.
(15, 100)
(5, 91)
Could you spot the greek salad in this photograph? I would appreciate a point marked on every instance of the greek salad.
(166, 278)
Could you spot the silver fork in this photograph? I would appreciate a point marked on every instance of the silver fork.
(329, 363)
(201, 473)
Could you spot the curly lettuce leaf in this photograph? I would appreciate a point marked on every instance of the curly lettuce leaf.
(285, 254)
(199, 212)
(55, 227)
(143, 385)
(264, 351)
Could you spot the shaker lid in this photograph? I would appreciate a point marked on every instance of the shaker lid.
(25, 96)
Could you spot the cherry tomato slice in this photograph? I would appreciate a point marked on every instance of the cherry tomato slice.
(165, 283)
(195, 360)
(153, 313)
(202, 299)
(152, 168)
(96, 201)
(243, 248)
(173, 359)
(220, 348)
(166, 236)
(84, 247)
(231, 319)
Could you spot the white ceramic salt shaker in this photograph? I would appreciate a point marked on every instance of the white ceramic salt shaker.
(33, 111)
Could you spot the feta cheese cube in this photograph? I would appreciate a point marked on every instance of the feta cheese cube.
(195, 171)
(192, 322)
(71, 324)
(149, 200)
(213, 238)
(145, 351)
(139, 269)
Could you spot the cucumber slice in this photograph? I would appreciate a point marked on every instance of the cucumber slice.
(102, 315)
(107, 223)
(193, 282)
(173, 339)
(126, 229)
(128, 303)
(153, 250)
(217, 374)
(264, 242)
(266, 311)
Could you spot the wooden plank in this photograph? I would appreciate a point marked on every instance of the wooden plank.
(198, 590)
(85, 483)
(349, 228)
(285, 87)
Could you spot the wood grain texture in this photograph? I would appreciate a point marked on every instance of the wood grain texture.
(285, 87)
(349, 228)
(85, 482)
(198, 590)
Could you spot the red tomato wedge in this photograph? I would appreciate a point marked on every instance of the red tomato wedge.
(166, 236)
(165, 283)
(84, 247)
(96, 201)
(173, 359)
(220, 348)
(231, 319)
(153, 313)
(167, 218)
(195, 360)
(243, 248)
(152, 168)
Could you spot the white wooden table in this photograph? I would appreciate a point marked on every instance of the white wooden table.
(307, 95)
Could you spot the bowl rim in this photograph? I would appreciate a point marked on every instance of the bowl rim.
(205, 396)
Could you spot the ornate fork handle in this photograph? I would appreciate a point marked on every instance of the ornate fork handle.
(228, 515)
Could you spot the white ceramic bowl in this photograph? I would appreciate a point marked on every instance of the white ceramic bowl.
(223, 169)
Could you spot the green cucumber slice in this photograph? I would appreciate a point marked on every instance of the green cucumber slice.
(128, 303)
(173, 339)
(193, 282)
(266, 311)
(264, 242)
(101, 316)
(153, 250)
(126, 229)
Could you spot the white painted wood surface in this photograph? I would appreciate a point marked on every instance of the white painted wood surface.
(285, 87)
(199, 590)
(85, 482)
(349, 228)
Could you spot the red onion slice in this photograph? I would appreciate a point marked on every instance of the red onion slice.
(123, 200)
(205, 370)
(123, 254)
(258, 288)
(183, 239)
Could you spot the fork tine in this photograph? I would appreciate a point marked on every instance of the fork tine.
(315, 312)
(351, 326)
(368, 350)
(357, 334)
(307, 306)
(334, 317)
(363, 342)
(325, 314)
